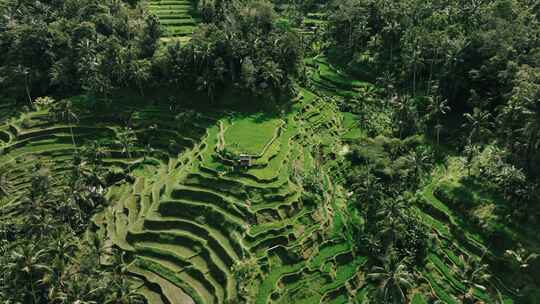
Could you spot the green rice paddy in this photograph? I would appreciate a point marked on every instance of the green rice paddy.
(189, 215)
(251, 135)
(178, 18)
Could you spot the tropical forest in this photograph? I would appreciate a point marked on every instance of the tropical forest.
(269, 151)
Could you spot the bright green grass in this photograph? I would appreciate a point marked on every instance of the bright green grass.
(270, 281)
(439, 290)
(327, 72)
(418, 299)
(345, 272)
(275, 167)
(177, 18)
(251, 134)
(350, 120)
(354, 133)
(326, 253)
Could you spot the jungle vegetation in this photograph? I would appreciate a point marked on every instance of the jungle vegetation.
(258, 151)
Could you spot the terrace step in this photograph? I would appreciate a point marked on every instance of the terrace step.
(201, 269)
(172, 293)
(225, 203)
(195, 266)
(224, 246)
(150, 295)
(192, 287)
(170, 1)
(176, 17)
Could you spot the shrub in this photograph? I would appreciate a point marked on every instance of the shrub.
(44, 102)
(493, 171)
(455, 194)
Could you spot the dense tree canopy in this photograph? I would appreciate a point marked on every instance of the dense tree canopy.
(480, 54)
(403, 137)
(245, 47)
(66, 47)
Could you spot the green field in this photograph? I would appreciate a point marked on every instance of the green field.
(178, 18)
(251, 135)
(185, 222)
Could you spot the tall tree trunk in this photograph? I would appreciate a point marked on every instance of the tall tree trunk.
(414, 78)
(27, 88)
(529, 153)
(33, 289)
(72, 136)
(428, 89)
(140, 88)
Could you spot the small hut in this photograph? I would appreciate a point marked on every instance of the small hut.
(244, 161)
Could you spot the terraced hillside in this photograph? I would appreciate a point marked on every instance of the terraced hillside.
(190, 222)
(308, 23)
(200, 228)
(327, 79)
(37, 136)
(189, 215)
(178, 18)
(457, 241)
(313, 23)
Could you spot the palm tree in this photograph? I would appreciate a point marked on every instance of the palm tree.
(148, 150)
(246, 272)
(419, 161)
(438, 107)
(207, 83)
(531, 131)
(352, 228)
(392, 213)
(478, 123)
(140, 70)
(63, 111)
(521, 257)
(25, 72)
(62, 250)
(402, 109)
(26, 267)
(122, 292)
(473, 276)
(416, 62)
(368, 186)
(86, 192)
(471, 150)
(394, 280)
(387, 81)
(273, 74)
(127, 139)
(81, 289)
(95, 151)
(40, 182)
(95, 247)
(64, 247)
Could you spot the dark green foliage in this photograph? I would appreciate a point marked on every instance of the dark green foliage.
(246, 49)
(49, 252)
(481, 56)
(418, 191)
(73, 46)
(383, 171)
(63, 47)
(456, 195)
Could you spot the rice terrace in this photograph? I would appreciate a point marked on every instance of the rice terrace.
(269, 151)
